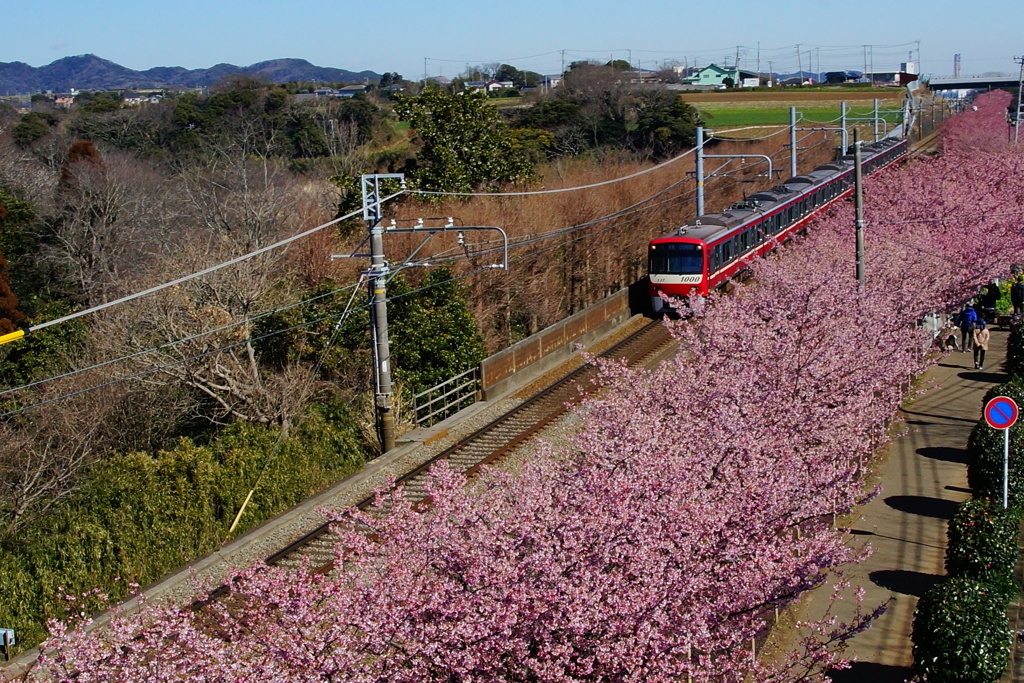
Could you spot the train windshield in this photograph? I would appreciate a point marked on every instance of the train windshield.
(676, 258)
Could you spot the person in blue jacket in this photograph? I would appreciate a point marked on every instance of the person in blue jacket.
(967, 319)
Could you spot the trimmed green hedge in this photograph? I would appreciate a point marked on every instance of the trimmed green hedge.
(983, 544)
(985, 467)
(1015, 353)
(1013, 389)
(985, 449)
(141, 515)
(961, 633)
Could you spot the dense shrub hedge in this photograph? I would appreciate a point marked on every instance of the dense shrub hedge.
(985, 468)
(961, 633)
(985, 449)
(141, 515)
(1013, 389)
(1015, 353)
(983, 543)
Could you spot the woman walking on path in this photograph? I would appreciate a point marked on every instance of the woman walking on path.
(981, 337)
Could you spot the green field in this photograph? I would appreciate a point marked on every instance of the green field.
(730, 116)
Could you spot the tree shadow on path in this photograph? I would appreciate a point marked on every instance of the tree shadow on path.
(905, 581)
(924, 506)
(859, 672)
(945, 454)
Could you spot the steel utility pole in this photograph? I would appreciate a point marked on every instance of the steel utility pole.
(859, 204)
(1020, 87)
(800, 64)
(792, 142)
(700, 171)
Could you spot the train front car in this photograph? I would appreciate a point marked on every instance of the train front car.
(715, 247)
(677, 267)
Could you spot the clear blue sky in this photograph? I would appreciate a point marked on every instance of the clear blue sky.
(401, 35)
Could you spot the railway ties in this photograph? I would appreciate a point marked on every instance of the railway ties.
(489, 444)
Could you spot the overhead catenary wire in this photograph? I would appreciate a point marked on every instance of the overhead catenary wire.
(636, 207)
(527, 241)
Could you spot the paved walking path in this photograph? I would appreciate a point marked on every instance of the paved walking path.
(924, 478)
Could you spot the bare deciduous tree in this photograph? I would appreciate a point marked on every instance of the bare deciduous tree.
(113, 212)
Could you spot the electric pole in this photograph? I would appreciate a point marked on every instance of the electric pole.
(1020, 88)
(859, 204)
(383, 397)
(800, 64)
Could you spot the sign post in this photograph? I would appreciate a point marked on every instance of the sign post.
(1001, 413)
(6, 641)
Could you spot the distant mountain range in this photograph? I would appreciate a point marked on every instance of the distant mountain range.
(89, 72)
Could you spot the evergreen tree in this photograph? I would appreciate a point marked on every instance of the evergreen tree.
(465, 143)
(434, 334)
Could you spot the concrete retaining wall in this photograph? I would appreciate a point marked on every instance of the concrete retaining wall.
(504, 371)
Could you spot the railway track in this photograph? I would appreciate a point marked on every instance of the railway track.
(489, 444)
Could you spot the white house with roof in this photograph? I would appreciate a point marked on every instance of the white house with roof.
(489, 86)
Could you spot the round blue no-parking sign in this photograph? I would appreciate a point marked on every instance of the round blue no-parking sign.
(1001, 412)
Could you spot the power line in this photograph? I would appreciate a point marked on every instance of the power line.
(158, 368)
(635, 208)
(170, 344)
(205, 271)
(272, 455)
(557, 190)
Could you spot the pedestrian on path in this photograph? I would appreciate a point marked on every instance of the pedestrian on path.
(1017, 295)
(945, 337)
(981, 337)
(967, 319)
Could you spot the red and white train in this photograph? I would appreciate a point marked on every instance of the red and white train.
(706, 253)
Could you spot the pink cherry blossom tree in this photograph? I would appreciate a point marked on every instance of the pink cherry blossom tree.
(695, 499)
